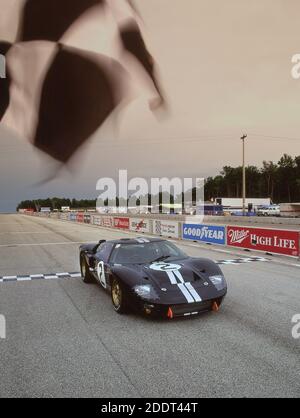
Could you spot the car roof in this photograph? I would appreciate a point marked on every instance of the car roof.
(138, 240)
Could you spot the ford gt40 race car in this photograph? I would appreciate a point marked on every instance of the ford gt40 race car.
(153, 276)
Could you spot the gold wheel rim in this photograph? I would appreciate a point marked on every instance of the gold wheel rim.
(83, 269)
(116, 295)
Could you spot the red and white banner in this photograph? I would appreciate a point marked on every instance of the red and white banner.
(121, 223)
(29, 211)
(80, 217)
(107, 222)
(268, 240)
(140, 225)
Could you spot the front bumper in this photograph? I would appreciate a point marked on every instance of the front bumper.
(181, 310)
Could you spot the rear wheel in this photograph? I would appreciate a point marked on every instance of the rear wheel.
(85, 272)
(118, 297)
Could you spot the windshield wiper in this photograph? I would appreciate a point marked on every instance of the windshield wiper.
(161, 258)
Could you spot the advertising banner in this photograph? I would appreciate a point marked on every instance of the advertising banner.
(121, 223)
(166, 229)
(96, 220)
(72, 216)
(54, 215)
(87, 218)
(140, 225)
(107, 222)
(30, 212)
(80, 217)
(205, 233)
(268, 240)
(64, 216)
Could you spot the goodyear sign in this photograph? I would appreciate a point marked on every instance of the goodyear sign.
(73, 216)
(205, 233)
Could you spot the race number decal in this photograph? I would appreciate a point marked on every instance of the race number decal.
(165, 267)
(101, 274)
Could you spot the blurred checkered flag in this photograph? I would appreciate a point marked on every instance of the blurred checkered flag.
(59, 88)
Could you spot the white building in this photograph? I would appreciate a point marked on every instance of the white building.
(237, 203)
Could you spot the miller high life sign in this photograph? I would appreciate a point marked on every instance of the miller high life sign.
(268, 240)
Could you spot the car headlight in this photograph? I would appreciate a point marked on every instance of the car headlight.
(218, 281)
(145, 291)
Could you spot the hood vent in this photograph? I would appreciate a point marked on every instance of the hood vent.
(197, 277)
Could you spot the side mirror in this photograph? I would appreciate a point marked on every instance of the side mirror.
(98, 245)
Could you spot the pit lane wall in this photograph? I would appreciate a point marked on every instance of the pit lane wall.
(267, 240)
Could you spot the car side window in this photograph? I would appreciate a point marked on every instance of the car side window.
(104, 251)
(170, 249)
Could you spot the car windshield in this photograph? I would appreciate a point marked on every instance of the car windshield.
(144, 253)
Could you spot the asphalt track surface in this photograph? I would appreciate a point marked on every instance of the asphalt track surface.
(64, 339)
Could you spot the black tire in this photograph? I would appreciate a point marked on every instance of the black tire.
(118, 297)
(85, 272)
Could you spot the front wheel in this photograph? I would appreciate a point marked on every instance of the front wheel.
(118, 297)
(85, 272)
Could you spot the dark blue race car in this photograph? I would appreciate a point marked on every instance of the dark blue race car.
(153, 276)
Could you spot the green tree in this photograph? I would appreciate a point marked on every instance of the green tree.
(286, 172)
(269, 173)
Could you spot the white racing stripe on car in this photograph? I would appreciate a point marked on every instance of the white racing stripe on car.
(172, 277)
(186, 293)
(179, 276)
(186, 288)
(193, 292)
(189, 286)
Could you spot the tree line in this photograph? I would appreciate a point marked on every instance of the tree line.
(56, 203)
(280, 181)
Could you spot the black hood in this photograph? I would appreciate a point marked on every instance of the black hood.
(167, 277)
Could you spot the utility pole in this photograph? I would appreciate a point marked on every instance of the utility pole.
(244, 176)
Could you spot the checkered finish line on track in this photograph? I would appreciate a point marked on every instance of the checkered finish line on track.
(30, 277)
(242, 260)
(75, 275)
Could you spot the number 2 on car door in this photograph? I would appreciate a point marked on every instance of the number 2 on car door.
(101, 274)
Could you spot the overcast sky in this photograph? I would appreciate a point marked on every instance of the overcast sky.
(226, 69)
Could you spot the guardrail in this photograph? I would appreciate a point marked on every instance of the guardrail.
(268, 240)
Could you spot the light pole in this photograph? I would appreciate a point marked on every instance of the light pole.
(244, 176)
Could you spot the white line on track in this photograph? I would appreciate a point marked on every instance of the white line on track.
(45, 244)
(8, 223)
(33, 232)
